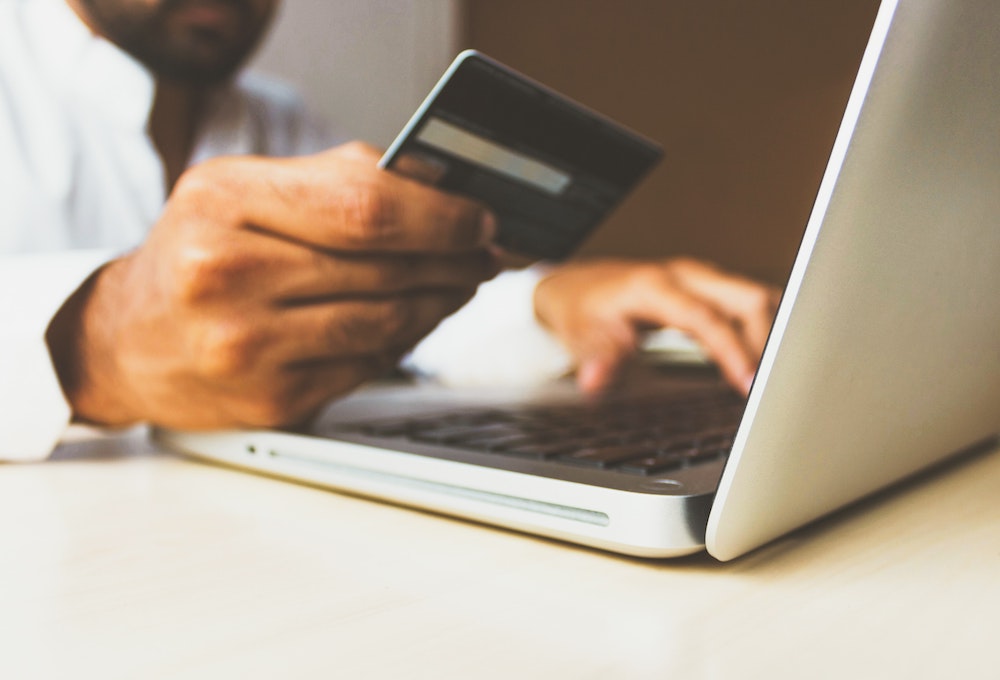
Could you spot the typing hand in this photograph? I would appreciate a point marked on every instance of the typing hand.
(599, 308)
(268, 287)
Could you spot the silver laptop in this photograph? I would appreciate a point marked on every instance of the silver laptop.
(884, 357)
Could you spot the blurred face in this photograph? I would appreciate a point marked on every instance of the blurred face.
(198, 42)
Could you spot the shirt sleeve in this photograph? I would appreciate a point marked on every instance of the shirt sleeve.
(34, 412)
(494, 340)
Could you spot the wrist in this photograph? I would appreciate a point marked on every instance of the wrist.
(81, 344)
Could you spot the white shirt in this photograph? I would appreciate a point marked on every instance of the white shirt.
(81, 182)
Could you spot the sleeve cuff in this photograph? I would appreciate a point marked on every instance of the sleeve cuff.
(34, 412)
(494, 340)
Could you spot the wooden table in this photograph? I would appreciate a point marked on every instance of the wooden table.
(122, 561)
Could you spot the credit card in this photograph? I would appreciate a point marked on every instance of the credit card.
(550, 169)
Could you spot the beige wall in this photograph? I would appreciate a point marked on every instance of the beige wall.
(364, 65)
(745, 97)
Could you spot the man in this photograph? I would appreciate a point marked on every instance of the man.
(264, 286)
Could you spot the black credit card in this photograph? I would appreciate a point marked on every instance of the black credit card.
(549, 168)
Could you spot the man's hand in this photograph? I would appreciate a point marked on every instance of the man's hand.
(599, 308)
(268, 287)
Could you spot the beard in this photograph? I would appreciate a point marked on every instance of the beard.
(191, 42)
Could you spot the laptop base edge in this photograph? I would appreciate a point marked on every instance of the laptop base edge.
(648, 525)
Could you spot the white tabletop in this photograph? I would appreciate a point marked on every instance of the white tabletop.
(121, 561)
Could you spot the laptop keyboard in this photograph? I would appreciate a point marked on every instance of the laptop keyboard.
(640, 436)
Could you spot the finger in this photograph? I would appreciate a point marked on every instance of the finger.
(668, 306)
(256, 366)
(347, 328)
(600, 351)
(293, 398)
(343, 276)
(253, 265)
(595, 375)
(291, 273)
(324, 381)
(750, 303)
(339, 201)
(360, 151)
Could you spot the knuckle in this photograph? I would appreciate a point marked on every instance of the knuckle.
(684, 262)
(700, 318)
(359, 149)
(229, 350)
(761, 301)
(194, 182)
(682, 266)
(369, 214)
(202, 273)
(648, 277)
(214, 190)
(203, 180)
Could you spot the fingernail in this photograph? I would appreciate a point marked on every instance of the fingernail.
(748, 383)
(592, 376)
(488, 228)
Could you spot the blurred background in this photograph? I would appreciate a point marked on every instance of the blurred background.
(744, 97)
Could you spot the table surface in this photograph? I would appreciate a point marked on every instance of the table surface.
(124, 561)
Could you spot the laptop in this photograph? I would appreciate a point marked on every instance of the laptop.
(883, 360)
